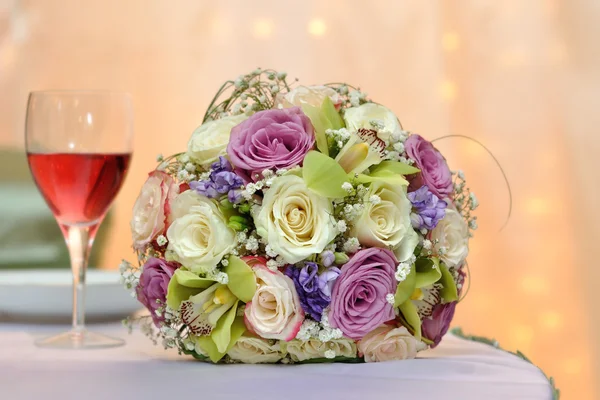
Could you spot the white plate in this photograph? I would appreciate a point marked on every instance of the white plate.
(46, 295)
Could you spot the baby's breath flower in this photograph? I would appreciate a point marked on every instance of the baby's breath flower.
(375, 199)
(270, 252)
(351, 245)
(329, 353)
(341, 226)
(252, 244)
(161, 240)
(402, 271)
(347, 186)
(399, 147)
(390, 298)
(272, 265)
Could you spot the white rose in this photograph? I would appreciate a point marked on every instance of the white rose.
(361, 117)
(149, 211)
(308, 95)
(451, 238)
(295, 221)
(251, 350)
(199, 235)
(387, 343)
(210, 139)
(300, 350)
(275, 311)
(387, 223)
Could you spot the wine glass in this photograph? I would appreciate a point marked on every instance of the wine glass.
(79, 146)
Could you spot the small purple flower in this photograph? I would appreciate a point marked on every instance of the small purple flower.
(205, 188)
(314, 290)
(234, 196)
(327, 258)
(222, 164)
(429, 209)
(327, 279)
(221, 181)
(226, 181)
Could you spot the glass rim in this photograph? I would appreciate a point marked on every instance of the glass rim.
(78, 91)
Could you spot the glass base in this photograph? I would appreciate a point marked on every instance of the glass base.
(79, 340)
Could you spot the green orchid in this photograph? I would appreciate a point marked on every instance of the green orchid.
(322, 119)
(327, 184)
(425, 272)
(209, 309)
(390, 171)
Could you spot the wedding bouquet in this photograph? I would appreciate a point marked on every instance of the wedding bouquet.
(302, 224)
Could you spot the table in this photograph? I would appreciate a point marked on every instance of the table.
(457, 369)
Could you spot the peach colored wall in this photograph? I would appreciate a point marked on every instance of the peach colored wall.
(521, 76)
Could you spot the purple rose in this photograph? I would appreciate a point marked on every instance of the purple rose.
(434, 169)
(429, 209)
(436, 326)
(155, 278)
(358, 300)
(270, 139)
(314, 290)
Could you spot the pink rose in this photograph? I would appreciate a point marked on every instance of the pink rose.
(151, 208)
(434, 169)
(358, 301)
(154, 281)
(275, 311)
(270, 139)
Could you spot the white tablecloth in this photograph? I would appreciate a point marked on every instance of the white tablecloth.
(457, 369)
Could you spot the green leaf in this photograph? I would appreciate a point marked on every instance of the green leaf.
(428, 271)
(406, 288)
(184, 284)
(221, 335)
(395, 167)
(449, 292)
(323, 175)
(411, 316)
(242, 281)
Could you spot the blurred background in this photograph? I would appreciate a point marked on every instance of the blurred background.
(521, 76)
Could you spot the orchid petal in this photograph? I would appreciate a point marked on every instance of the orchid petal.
(405, 288)
(411, 316)
(207, 344)
(221, 335)
(449, 291)
(428, 271)
(184, 284)
(323, 175)
(326, 117)
(242, 281)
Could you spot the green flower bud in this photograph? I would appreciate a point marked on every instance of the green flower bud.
(341, 258)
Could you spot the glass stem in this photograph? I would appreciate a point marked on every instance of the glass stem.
(79, 241)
